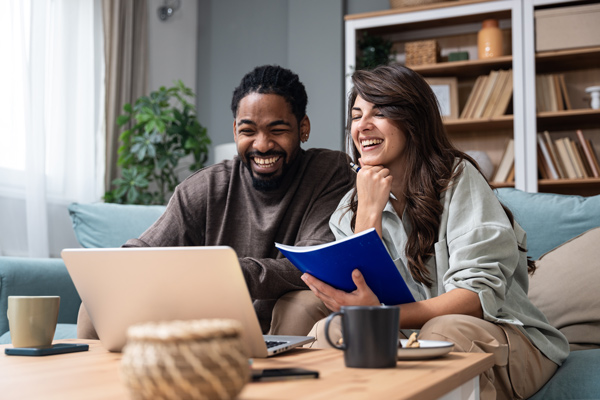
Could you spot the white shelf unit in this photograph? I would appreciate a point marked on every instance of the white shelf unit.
(454, 19)
(562, 60)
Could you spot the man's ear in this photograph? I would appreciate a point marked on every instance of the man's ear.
(304, 129)
(234, 131)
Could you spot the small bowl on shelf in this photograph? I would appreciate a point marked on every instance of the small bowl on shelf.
(594, 92)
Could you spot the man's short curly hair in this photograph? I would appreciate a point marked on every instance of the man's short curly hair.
(273, 79)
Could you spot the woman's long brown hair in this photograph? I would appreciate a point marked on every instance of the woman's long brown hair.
(404, 96)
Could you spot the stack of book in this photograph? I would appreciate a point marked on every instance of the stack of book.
(551, 93)
(564, 158)
(490, 96)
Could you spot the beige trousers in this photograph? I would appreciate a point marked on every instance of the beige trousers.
(295, 313)
(85, 328)
(520, 368)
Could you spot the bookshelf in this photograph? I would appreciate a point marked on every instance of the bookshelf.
(454, 25)
(581, 68)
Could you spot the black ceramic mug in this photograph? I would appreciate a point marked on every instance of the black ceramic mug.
(370, 335)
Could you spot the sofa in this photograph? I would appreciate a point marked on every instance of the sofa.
(95, 225)
(563, 233)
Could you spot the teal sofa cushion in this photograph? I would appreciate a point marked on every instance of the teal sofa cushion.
(550, 219)
(577, 378)
(111, 225)
(20, 276)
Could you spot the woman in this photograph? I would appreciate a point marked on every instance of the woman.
(458, 249)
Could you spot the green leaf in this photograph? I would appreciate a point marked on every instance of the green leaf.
(122, 120)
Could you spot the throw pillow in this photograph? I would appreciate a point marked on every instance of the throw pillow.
(111, 225)
(550, 219)
(564, 289)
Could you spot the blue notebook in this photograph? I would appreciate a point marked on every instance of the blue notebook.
(334, 262)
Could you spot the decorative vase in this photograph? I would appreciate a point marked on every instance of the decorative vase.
(489, 39)
(199, 359)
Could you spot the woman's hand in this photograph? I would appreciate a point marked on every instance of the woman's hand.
(334, 298)
(373, 186)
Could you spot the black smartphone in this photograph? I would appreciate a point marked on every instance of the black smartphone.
(59, 348)
(282, 374)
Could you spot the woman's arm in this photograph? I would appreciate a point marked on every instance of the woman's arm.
(412, 315)
(373, 185)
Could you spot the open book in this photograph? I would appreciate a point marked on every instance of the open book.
(334, 262)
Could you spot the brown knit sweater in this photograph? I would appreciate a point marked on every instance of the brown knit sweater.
(218, 206)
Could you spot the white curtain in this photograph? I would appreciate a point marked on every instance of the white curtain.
(52, 139)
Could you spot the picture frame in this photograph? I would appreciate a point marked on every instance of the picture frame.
(446, 92)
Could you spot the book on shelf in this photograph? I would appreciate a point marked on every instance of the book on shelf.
(504, 98)
(551, 93)
(560, 169)
(511, 174)
(497, 89)
(540, 96)
(588, 151)
(477, 93)
(593, 153)
(542, 165)
(548, 163)
(506, 163)
(485, 94)
(563, 153)
(466, 112)
(564, 93)
(574, 154)
(584, 161)
(560, 104)
(334, 262)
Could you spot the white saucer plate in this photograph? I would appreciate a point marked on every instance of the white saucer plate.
(427, 349)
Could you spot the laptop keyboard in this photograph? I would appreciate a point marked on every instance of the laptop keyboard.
(273, 343)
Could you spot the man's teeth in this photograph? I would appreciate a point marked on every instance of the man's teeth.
(263, 162)
(370, 142)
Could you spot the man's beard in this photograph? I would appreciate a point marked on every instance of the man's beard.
(266, 182)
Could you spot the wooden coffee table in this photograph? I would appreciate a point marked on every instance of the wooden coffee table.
(94, 374)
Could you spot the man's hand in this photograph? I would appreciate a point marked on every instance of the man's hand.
(334, 298)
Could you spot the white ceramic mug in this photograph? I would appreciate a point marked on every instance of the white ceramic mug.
(32, 320)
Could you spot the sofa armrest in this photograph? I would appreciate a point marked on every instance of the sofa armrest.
(37, 277)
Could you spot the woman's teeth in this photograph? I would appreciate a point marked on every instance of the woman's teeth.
(370, 142)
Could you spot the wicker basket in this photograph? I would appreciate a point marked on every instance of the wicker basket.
(201, 359)
(412, 3)
(421, 52)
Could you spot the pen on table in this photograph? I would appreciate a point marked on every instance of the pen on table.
(356, 168)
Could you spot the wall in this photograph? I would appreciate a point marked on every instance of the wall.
(234, 36)
(172, 45)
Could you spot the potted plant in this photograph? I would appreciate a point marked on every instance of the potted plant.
(373, 51)
(162, 128)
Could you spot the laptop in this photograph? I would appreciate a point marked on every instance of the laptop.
(124, 286)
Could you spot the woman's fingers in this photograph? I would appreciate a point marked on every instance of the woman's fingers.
(364, 294)
(334, 298)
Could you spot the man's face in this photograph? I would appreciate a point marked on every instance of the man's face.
(268, 137)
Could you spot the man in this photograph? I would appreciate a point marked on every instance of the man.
(273, 191)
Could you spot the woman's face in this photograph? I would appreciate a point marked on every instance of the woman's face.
(379, 140)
